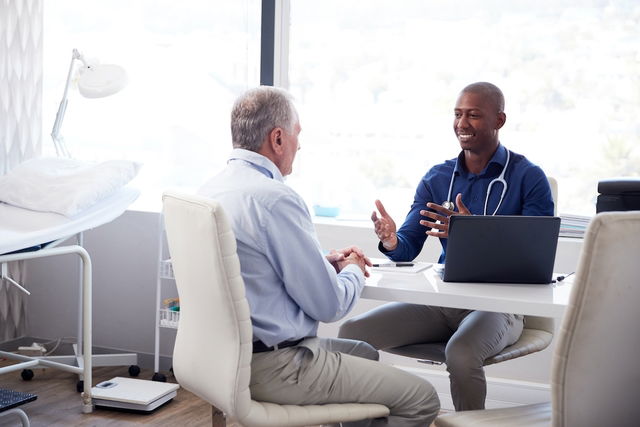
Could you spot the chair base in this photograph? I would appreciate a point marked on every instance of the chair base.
(537, 415)
(218, 419)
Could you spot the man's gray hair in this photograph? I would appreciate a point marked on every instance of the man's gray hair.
(487, 90)
(257, 112)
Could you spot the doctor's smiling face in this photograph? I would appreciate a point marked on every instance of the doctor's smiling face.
(478, 117)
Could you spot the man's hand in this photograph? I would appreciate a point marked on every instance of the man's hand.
(351, 255)
(385, 227)
(439, 220)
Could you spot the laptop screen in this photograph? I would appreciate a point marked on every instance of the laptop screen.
(501, 249)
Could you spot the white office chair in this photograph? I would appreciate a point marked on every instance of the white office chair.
(213, 348)
(536, 335)
(595, 375)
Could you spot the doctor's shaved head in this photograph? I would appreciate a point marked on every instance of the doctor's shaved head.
(488, 91)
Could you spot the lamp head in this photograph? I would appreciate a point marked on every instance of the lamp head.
(100, 80)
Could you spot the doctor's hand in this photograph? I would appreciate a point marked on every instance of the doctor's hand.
(439, 220)
(385, 227)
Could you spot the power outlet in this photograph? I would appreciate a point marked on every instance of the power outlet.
(34, 350)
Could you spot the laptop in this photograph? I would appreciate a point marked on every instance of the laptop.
(501, 249)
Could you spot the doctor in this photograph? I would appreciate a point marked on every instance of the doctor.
(485, 179)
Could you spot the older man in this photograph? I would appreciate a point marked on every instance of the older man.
(291, 285)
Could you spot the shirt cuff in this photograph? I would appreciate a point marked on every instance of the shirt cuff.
(389, 254)
(354, 269)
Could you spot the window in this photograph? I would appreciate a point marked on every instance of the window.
(376, 83)
(187, 62)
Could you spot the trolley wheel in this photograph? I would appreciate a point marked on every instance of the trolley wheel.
(80, 386)
(26, 374)
(134, 370)
(161, 378)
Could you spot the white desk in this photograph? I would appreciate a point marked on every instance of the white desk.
(428, 288)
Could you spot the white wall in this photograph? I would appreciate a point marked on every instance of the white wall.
(125, 253)
(124, 257)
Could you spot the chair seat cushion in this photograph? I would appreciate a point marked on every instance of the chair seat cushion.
(264, 414)
(531, 341)
(428, 351)
(537, 415)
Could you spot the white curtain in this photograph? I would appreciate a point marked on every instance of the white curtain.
(20, 122)
(13, 304)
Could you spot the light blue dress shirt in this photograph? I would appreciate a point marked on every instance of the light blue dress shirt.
(289, 283)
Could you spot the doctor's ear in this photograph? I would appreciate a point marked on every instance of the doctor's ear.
(502, 118)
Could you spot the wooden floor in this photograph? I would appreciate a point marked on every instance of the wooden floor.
(59, 403)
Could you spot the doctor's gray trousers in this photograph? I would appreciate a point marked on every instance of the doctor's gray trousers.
(471, 337)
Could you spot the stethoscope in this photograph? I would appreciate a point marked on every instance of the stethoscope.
(448, 204)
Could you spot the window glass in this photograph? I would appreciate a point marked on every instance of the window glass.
(376, 82)
(187, 61)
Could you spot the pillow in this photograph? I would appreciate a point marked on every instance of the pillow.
(64, 186)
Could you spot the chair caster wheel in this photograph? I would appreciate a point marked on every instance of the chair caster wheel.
(134, 370)
(80, 386)
(26, 374)
(161, 378)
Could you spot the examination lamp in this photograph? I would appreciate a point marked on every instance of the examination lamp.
(94, 80)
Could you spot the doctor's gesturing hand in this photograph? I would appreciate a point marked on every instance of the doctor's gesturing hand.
(439, 220)
(385, 227)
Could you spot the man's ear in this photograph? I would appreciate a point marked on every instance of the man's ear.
(275, 140)
(502, 118)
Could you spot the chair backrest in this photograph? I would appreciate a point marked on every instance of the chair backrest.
(212, 353)
(596, 375)
(553, 183)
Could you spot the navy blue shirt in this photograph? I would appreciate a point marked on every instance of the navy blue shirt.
(528, 193)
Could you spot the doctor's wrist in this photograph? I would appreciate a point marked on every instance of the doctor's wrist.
(391, 243)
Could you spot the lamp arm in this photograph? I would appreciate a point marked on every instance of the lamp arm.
(58, 141)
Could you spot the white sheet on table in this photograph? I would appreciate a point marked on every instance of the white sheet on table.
(23, 228)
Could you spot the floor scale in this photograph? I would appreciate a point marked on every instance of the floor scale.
(132, 394)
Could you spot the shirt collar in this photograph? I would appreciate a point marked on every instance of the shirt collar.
(258, 161)
(499, 158)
